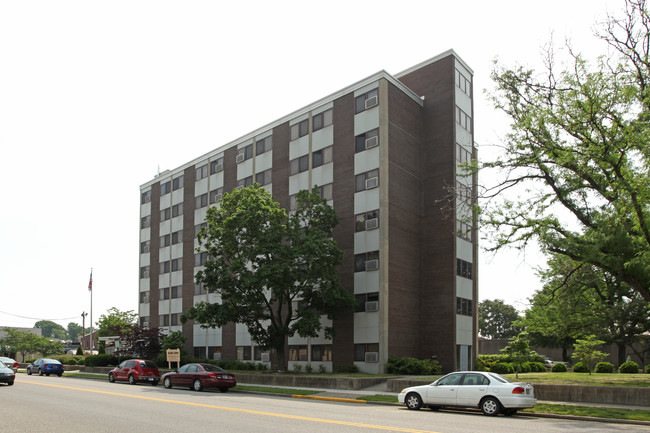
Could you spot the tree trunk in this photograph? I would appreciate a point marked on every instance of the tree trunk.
(621, 353)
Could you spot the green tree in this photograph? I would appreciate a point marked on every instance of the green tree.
(586, 351)
(518, 349)
(22, 342)
(137, 341)
(51, 329)
(74, 331)
(47, 347)
(275, 272)
(496, 319)
(174, 340)
(114, 320)
(578, 153)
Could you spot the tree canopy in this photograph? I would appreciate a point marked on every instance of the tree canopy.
(74, 331)
(275, 271)
(496, 319)
(114, 320)
(578, 154)
(51, 329)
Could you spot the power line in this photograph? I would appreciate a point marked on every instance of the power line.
(37, 318)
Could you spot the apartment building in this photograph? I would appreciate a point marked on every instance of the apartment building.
(387, 154)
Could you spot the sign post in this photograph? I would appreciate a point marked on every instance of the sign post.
(173, 355)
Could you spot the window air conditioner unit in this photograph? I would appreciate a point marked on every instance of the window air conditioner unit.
(266, 357)
(145, 249)
(145, 274)
(373, 182)
(372, 306)
(372, 142)
(240, 158)
(145, 300)
(372, 265)
(217, 356)
(145, 324)
(219, 167)
(218, 197)
(147, 198)
(372, 223)
(372, 357)
(371, 102)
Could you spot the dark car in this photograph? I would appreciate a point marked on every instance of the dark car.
(45, 366)
(134, 371)
(7, 375)
(199, 376)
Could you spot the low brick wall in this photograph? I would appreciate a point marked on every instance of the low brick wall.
(309, 381)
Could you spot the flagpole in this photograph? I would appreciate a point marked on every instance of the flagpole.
(90, 289)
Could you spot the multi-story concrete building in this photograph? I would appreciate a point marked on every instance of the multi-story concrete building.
(386, 153)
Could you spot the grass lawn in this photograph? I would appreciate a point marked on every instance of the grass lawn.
(595, 379)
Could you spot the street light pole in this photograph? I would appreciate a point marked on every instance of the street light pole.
(83, 328)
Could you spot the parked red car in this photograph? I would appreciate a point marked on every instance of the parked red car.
(199, 376)
(135, 370)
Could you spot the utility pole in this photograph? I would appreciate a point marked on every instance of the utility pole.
(83, 327)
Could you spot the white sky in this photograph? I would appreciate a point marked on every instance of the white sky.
(96, 96)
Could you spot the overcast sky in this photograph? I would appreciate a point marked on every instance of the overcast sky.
(96, 97)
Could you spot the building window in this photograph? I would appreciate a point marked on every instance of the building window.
(321, 353)
(244, 353)
(144, 297)
(177, 292)
(216, 166)
(463, 230)
(464, 306)
(145, 222)
(145, 246)
(245, 153)
(463, 83)
(201, 201)
(164, 267)
(360, 351)
(367, 180)
(463, 156)
(178, 183)
(199, 289)
(463, 269)
(165, 214)
(263, 145)
(177, 265)
(321, 120)
(366, 140)
(298, 353)
(177, 237)
(247, 181)
(200, 259)
(366, 261)
(164, 241)
(366, 101)
(299, 165)
(300, 129)
(216, 195)
(463, 119)
(464, 193)
(325, 192)
(163, 320)
(263, 178)
(202, 172)
(198, 227)
(144, 321)
(174, 319)
(165, 188)
(144, 272)
(366, 221)
(177, 210)
(321, 157)
(367, 302)
(146, 197)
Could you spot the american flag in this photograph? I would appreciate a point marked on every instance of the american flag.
(90, 284)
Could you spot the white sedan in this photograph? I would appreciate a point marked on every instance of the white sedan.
(490, 392)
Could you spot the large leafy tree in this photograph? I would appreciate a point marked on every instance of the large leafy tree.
(22, 342)
(578, 153)
(74, 331)
(51, 329)
(114, 320)
(138, 341)
(275, 271)
(496, 319)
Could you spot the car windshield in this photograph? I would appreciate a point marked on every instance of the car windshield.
(210, 367)
(2, 365)
(499, 378)
(51, 361)
(147, 364)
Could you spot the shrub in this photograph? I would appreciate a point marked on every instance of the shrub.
(101, 360)
(412, 366)
(647, 368)
(351, 368)
(485, 362)
(539, 367)
(297, 368)
(80, 351)
(308, 368)
(69, 361)
(559, 368)
(604, 367)
(580, 367)
(629, 367)
(322, 369)
(81, 361)
(502, 368)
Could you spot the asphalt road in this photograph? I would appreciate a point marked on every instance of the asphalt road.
(63, 405)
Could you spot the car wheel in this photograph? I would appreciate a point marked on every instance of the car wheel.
(490, 406)
(10, 383)
(509, 412)
(197, 385)
(167, 383)
(131, 379)
(40, 372)
(154, 383)
(29, 372)
(111, 378)
(413, 401)
(47, 374)
(223, 389)
(59, 374)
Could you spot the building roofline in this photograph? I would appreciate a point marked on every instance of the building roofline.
(440, 56)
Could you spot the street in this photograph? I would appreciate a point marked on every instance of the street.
(58, 405)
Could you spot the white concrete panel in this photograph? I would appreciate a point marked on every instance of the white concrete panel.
(323, 138)
(144, 310)
(201, 187)
(366, 160)
(245, 169)
(216, 180)
(177, 278)
(463, 100)
(177, 196)
(298, 182)
(177, 305)
(464, 329)
(368, 200)
(165, 201)
(269, 188)
(177, 223)
(214, 298)
(214, 337)
(464, 250)
(366, 241)
(163, 307)
(145, 259)
(323, 175)
(360, 282)
(165, 227)
(200, 337)
(366, 120)
(463, 136)
(366, 328)
(164, 254)
(199, 215)
(145, 284)
(299, 147)
(145, 234)
(464, 287)
(366, 282)
(145, 209)
(242, 337)
(176, 251)
(163, 280)
(264, 161)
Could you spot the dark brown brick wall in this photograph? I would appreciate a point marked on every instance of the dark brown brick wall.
(154, 253)
(189, 177)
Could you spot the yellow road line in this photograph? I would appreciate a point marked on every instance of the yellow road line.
(255, 412)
